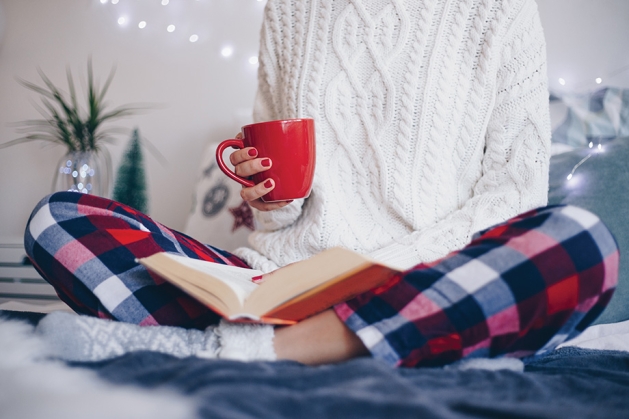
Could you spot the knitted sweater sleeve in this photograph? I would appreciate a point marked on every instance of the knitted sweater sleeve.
(516, 157)
(267, 106)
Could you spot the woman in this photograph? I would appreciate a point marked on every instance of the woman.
(432, 124)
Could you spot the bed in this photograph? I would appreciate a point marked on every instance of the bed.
(590, 381)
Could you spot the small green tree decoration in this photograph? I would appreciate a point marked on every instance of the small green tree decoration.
(130, 185)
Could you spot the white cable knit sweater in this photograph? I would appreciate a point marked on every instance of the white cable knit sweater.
(432, 123)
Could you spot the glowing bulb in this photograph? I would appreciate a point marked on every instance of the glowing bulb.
(165, 2)
(570, 176)
(142, 25)
(194, 38)
(253, 60)
(600, 147)
(171, 28)
(599, 80)
(591, 144)
(121, 20)
(103, 1)
(562, 82)
(114, 1)
(227, 51)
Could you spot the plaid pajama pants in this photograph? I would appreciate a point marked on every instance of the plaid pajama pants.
(519, 288)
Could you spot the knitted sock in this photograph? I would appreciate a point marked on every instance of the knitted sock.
(83, 338)
(245, 341)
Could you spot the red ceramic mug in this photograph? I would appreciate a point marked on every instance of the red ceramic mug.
(290, 144)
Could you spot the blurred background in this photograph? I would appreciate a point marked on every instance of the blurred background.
(196, 61)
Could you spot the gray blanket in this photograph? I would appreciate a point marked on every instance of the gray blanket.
(568, 383)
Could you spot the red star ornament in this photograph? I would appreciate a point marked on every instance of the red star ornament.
(242, 216)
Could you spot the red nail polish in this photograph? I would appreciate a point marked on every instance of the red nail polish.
(266, 162)
(252, 152)
(256, 278)
(268, 184)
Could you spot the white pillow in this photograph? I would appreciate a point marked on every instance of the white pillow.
(219, 216)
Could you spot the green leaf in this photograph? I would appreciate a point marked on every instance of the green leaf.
(65, 121)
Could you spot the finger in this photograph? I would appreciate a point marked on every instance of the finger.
(239, 136)
(252, 167)
(257, 191)
(260, 205)
(243, 155)
(261, 278)
(258, 279)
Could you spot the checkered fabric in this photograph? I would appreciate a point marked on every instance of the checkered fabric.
(518, 288)
(85, 246)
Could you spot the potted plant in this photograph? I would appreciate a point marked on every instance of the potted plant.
(86, 166)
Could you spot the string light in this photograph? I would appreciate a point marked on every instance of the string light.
(599, 148)
(253, 60)
(576, 166)
(227, 52)
(562, 81)
(598, 80)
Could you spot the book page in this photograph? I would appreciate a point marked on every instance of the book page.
(238, 279)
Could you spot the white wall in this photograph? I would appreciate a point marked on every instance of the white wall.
(202, 96)
(205, 97)
(586, 39)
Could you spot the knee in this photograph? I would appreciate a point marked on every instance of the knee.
(584, 229)
(46, 213)
(591, 246)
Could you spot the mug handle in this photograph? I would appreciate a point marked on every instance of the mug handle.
(235, 143)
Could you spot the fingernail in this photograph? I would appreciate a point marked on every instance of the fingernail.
(268, 184)
(252, 152)
(256, 278)
(289, 201)
(266, 162)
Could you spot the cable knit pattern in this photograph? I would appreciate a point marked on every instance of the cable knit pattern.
(432, 123)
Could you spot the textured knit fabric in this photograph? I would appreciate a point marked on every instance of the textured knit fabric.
(521, 287)
(86, 247)
(85, 338)
(432, 123)
(543, 274)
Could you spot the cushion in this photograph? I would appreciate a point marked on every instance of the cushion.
(219, 216)
(601, 185)
(593, 116)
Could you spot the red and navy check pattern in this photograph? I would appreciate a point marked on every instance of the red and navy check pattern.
(86, 247)
(518, 288)
(521, 287)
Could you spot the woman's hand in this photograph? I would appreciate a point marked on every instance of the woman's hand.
(246, 163)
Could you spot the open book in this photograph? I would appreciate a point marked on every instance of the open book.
(288, 294)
